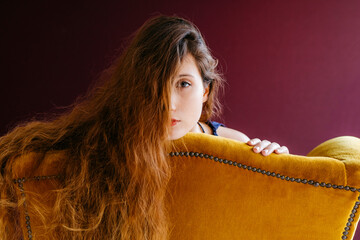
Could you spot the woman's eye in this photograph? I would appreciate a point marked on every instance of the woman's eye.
(184, 84)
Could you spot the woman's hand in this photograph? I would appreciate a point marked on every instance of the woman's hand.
(266, 148)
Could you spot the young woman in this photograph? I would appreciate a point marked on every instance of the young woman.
(115, 139)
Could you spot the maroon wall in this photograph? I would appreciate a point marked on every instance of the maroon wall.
(293, 67)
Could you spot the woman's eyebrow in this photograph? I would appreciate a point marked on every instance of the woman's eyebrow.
(185, 75)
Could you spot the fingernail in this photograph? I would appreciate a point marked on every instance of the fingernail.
(265, 151)
(256, 149)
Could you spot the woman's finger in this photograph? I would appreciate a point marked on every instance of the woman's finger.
(253, 141)
(270, 148)
(261, 145)
(282, 150)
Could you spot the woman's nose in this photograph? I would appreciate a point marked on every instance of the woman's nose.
(173, 102)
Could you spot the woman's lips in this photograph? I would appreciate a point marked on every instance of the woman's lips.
(174, 122)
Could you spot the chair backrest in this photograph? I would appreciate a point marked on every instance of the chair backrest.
(220, 189)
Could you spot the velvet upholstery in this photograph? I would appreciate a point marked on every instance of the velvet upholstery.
(220, 189)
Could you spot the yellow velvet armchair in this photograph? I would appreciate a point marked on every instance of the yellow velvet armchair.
(220, 189)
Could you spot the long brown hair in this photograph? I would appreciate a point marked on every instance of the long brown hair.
(115, 137)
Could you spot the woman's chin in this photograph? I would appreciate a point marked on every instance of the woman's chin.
(176, 135)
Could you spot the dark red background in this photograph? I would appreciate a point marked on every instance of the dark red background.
(293, 67)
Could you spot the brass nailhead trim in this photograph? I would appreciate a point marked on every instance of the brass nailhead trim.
(20, 182)
(351, 219)
(282, 177)
(264, 172)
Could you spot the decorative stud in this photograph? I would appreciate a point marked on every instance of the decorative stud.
(350, 220)
(20, 182)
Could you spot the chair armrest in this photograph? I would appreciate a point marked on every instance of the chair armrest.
(345, 149)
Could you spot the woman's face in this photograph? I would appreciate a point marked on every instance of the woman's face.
(187, 97)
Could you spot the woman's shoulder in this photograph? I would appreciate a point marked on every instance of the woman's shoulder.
(232, 134)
